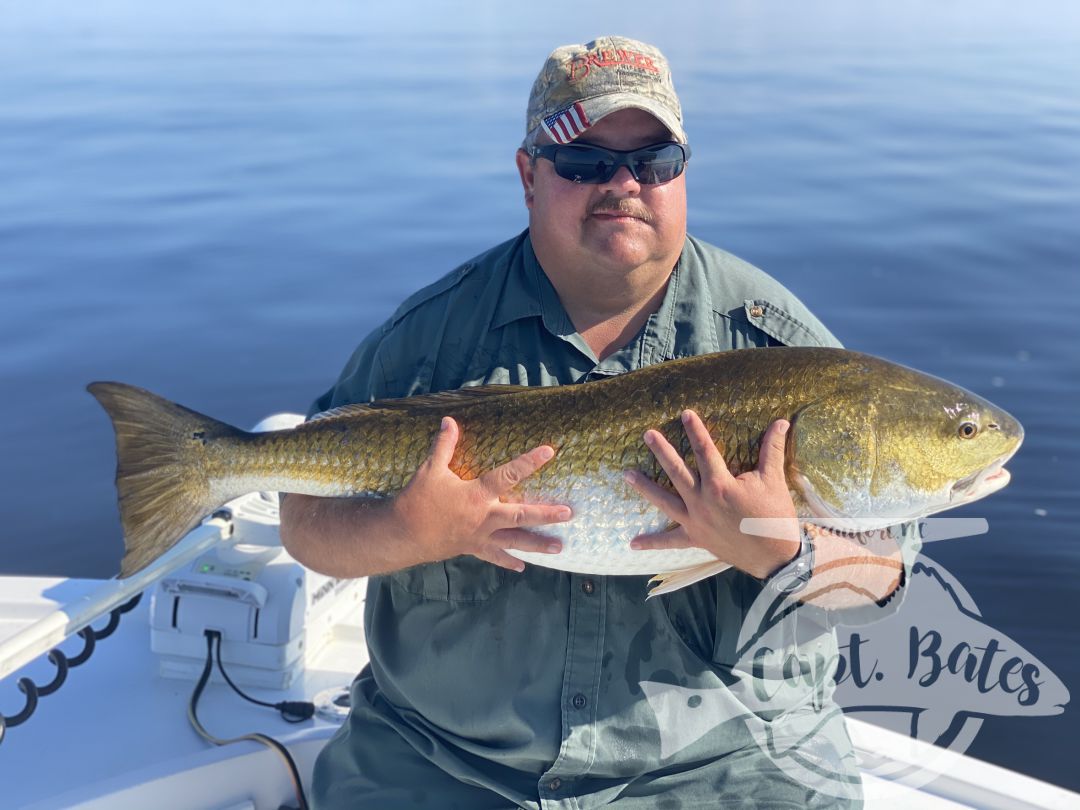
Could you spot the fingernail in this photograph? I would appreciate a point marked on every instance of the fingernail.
(649, 438)
(628, 476)
(685, 417)
(554, 548)
(565, 513)
(545, 453)
(635, 545)
(445, 424)
(783, 428)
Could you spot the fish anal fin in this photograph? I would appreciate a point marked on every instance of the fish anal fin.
(672, 581)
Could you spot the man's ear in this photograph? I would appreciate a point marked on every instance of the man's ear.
(527, 171)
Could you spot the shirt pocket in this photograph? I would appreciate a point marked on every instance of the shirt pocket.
(781, 326)
(707, 617)
(465, 579)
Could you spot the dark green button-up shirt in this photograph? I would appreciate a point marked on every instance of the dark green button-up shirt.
(488, 688)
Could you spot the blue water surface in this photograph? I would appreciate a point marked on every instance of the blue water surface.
(218, 201)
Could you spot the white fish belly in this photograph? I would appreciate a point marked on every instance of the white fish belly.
(608, 514)
(223, 489)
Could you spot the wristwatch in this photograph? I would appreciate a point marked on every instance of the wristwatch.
(793, 577)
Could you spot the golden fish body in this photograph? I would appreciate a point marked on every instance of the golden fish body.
(869, 440)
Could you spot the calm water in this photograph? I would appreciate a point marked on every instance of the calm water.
(218, 203)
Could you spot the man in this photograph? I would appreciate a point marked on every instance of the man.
(496, 685)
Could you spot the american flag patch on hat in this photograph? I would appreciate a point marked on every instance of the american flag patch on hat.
(565, 125)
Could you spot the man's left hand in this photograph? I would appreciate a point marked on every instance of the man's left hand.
(711, 504)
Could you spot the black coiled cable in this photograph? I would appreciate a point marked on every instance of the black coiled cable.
(63, 664)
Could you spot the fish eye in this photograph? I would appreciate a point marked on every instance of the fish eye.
(968, 430)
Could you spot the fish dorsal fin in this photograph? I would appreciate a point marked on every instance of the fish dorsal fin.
(442, 400)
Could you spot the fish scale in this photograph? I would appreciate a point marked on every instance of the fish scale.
(867, 436)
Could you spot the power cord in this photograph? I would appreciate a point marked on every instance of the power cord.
(292, 711)
(296, 709)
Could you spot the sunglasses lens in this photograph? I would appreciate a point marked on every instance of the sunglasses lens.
(582, 163)
(658, 164)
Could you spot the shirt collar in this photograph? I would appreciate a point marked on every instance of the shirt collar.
(521, 293)
(682, 326)
(688, 308)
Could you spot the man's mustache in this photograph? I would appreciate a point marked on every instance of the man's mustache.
(621, 206)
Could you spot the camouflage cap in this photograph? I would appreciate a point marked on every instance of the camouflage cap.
(580, 84)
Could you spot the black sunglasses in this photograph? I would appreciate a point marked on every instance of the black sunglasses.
(585, 163)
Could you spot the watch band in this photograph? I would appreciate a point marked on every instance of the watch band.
(793, 577)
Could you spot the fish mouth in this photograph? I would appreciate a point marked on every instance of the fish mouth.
(981, 484)
(989, 480)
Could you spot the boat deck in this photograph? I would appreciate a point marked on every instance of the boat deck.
(116, 734)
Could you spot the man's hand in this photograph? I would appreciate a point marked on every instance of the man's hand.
(451, 516)
(709, 506)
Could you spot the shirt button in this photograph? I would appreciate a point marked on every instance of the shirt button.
(588, 586)
(756, 312)
(580, 701)
(555, 784)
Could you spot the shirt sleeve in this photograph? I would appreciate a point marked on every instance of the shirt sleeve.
(362, 380)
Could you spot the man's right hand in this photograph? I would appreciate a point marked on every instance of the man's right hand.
(451, 516)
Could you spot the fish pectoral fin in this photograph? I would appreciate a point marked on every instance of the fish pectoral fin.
(672, 581)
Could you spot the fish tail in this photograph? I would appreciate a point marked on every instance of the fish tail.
(162, 489)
